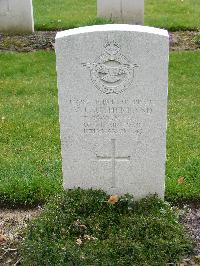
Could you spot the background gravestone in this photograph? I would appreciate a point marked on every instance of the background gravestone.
(16, 16)
(112, 82)
(122, 11)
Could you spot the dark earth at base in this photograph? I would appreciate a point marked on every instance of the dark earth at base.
(45, 40)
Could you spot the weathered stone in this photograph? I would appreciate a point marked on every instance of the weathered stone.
(16, 16)
(122, 11)
(112, 82)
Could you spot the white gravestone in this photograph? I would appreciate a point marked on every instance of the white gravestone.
(122, 11)
(112, 83)
(16, 16)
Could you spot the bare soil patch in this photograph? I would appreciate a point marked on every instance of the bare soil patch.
(45, 40)
(184, 40)
(12, 223)
(191, 221)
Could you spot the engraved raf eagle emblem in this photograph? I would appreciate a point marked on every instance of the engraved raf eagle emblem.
(111, 73)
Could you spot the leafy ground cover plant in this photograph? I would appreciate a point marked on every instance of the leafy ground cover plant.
(86, 227)
(197, 39)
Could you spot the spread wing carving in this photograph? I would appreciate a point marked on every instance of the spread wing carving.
(111, 74)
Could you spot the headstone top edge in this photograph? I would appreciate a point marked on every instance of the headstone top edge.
(112, 27)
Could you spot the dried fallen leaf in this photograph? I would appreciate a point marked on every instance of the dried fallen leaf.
(181, 180)
(82, 226)
(197, 258)
(79, 241)
(87, 237)
(2, 239)
(113, 199)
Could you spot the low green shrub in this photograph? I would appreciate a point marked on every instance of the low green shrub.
(81, 227)
(197, 39)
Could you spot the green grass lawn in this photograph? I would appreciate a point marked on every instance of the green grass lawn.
(30, 148)
(65, 14)
(183, 148)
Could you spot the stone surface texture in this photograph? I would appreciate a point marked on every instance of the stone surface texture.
(16, 16)
(112, 85)
(122, 11)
